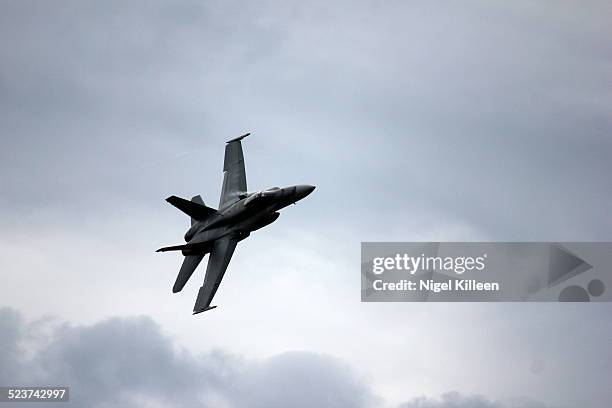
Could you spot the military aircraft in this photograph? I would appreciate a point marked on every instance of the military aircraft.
(218, 231)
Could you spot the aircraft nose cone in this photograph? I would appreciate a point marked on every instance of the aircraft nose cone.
(303, 190)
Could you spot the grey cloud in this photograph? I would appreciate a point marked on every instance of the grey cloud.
(472, 120)
(458, 400)
(129, 362)
(477, 114)
(300, 379)
(11, 324)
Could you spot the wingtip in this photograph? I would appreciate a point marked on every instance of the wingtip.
(237, 139)
(203, 310)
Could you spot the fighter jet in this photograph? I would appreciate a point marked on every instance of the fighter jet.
(216, 232)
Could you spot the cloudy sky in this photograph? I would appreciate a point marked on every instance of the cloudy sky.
(417, 120)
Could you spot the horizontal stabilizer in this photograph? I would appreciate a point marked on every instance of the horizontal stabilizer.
(196, 246)
(173, 248)
(192, 208)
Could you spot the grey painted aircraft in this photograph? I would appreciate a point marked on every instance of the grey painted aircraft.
(218, 231)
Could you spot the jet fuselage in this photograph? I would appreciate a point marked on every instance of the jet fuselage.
(252, 212)
(217, 232)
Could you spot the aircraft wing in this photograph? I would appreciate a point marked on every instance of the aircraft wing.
(220, 256)
(234, 175)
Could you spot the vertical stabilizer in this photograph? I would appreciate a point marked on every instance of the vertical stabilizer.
(190, 263)
(198, 200)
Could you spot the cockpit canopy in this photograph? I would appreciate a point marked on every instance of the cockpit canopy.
(262, 194)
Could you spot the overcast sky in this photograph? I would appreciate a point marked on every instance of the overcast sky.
(416, 120)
